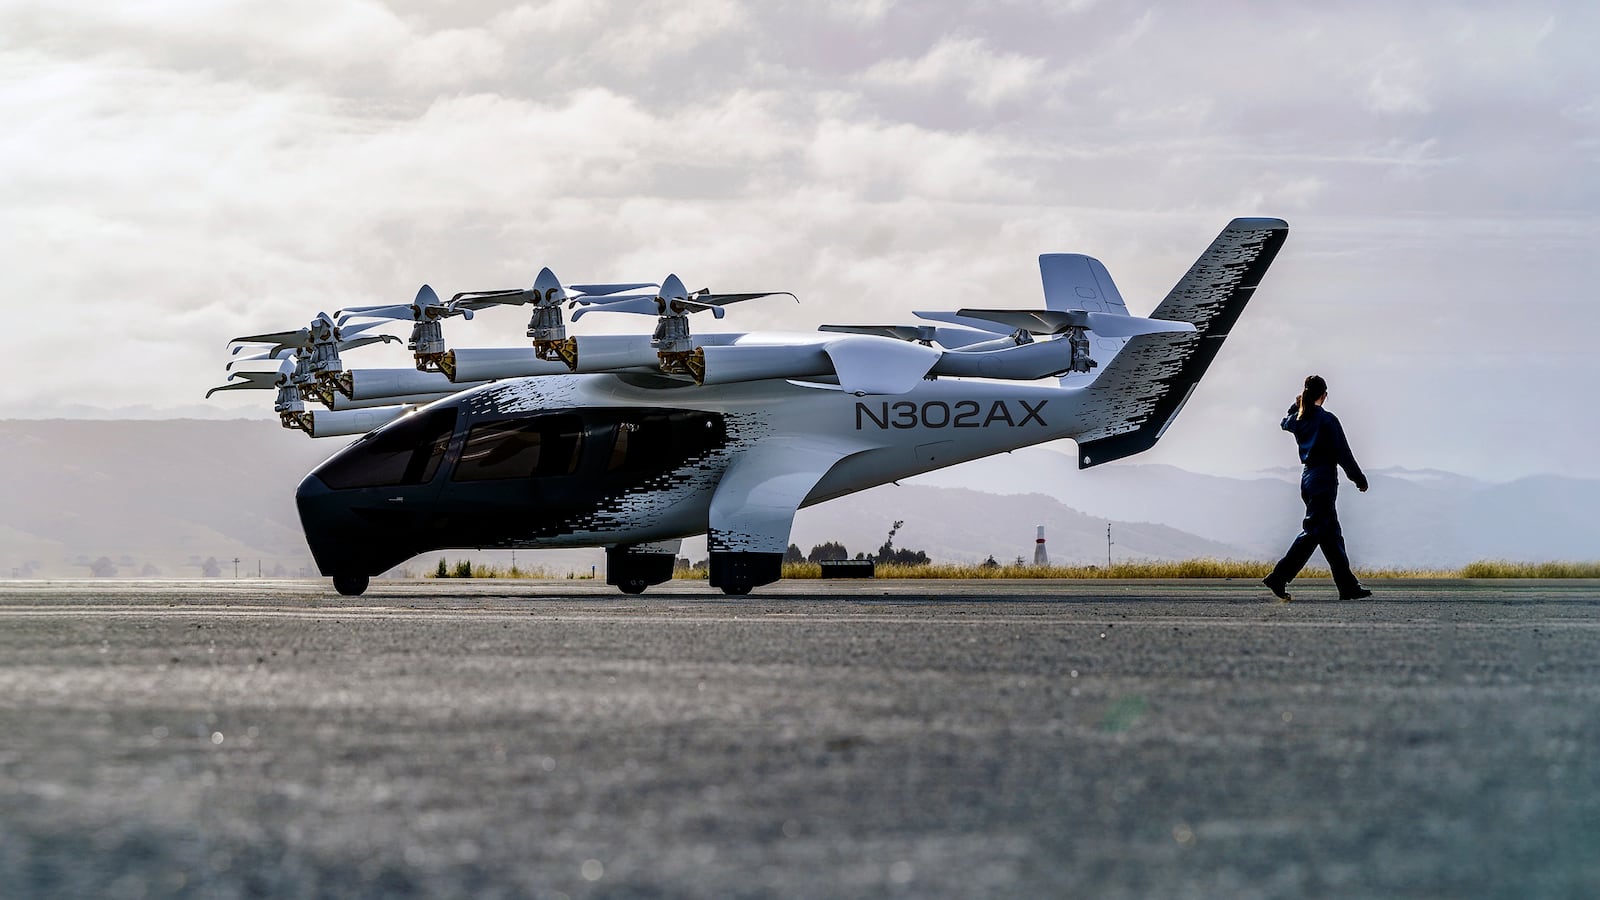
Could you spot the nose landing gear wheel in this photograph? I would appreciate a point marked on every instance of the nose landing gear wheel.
(350, 585)
(633, 587)
(737, 589)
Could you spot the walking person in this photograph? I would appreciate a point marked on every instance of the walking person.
(1323, 451)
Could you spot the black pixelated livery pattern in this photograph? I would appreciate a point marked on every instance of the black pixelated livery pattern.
(592, 505)
(692, 481)
(1140, 393)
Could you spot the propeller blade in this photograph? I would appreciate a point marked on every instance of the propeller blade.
(963, 321)
(274, 337)
(951, 337)
(494, 293)
(354, 330)
(725, 299)
(643, 305)
(898, 332)
(367, 341)
(1059, 321)
(397, 311)
(352, 310)
(601, 290)
(470, 300)
(1033, 321)
(256, 358)
(248, 381)
(695, 306)
(607, 301)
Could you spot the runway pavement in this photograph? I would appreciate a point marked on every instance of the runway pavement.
(819, 739)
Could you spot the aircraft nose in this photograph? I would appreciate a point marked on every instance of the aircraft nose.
(346, 537)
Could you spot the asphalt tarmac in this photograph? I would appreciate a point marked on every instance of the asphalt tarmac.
(839, 739)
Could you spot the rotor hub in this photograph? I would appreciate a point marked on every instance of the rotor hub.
(547, 324)
(1077, 339)
(672, 335)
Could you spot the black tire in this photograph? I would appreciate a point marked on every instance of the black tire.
(350, 585)
(738, 589)
(633, 587)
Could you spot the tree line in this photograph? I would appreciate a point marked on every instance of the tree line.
(833, 551)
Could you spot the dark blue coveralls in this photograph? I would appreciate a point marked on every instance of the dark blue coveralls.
(1323, 450)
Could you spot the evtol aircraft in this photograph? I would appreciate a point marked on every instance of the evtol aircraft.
(634, 442)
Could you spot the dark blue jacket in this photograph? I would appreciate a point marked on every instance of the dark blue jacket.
(1322, 447)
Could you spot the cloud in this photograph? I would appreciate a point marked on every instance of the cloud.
(984, 75)
(179, 173)
(859, 12)
(886, 161)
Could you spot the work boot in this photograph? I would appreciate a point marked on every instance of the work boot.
(1281, 591)
(1360, 593)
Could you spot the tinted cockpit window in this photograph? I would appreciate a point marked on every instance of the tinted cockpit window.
(500, 450)
(656, 441)
(406, 451)
(519, 448)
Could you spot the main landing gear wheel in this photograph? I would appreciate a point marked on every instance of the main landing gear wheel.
(350, 585)
(737, 589)
(633, 587)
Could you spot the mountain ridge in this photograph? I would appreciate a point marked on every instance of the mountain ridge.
(162, 496)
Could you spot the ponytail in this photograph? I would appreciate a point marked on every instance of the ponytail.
(1316, 389)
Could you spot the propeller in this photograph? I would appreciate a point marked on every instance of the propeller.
(547, 290)
(321, 328)
(674, 299)
(307, 345)
(672, 305)
(953, 338)
(257, 381)
(275, 353)
(248, 381)
(426, 307)
(310, 357)
(1056, 321)
(426, 313)
(321, 332)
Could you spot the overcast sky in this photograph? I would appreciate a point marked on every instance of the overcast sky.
(177, 173)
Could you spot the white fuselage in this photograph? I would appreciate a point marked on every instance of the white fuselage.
(940, 422)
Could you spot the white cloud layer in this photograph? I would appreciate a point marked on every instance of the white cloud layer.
(981, 74)
(177, 173)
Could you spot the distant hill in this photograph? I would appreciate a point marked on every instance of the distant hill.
(1408, 518)
(152, 496)
(161, 497)
(964, 525)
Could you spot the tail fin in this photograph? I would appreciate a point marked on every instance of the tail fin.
(1133, 401)
(1075, 281)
